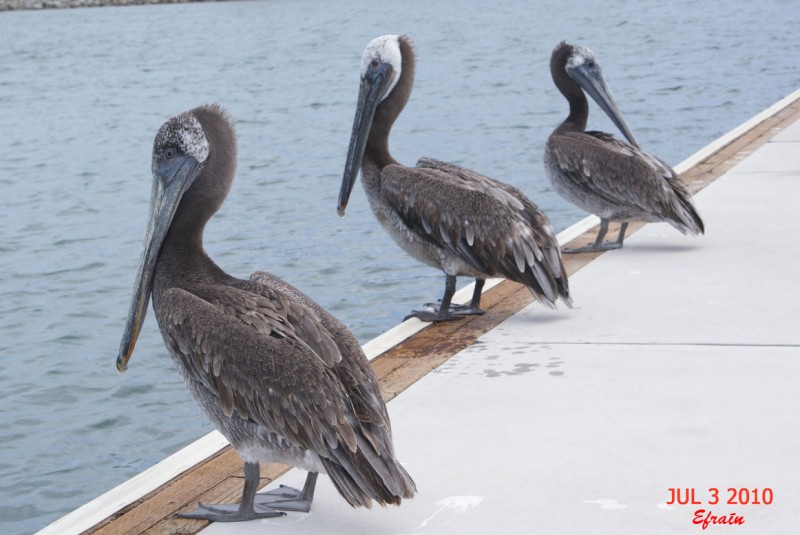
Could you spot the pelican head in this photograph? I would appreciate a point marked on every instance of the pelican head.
(582, 66)
(381, 67)
(179, 154)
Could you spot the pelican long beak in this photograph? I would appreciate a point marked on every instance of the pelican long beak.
(371, 93)
(170, 182)
(590, 78)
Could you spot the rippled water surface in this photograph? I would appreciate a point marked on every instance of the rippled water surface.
(82, 93)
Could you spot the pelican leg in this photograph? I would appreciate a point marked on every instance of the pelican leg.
(471, 309)
(440, 312)
(229, 512)
(289, 499)
(622, 229)
(598, 244)
(474, 306)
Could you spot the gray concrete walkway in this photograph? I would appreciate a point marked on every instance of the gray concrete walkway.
(678, 368)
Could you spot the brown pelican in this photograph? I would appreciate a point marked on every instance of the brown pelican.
(612, 179)
(444, 215)
(279, 377)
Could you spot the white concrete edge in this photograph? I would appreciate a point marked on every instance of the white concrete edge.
(139, 486)
(94, 512)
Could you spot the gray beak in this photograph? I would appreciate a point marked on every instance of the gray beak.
(590, 78)
(170, 182)
(371, 93)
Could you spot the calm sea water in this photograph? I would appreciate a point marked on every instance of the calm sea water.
(82, 93)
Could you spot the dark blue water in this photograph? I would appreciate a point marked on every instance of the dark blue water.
(82, 93)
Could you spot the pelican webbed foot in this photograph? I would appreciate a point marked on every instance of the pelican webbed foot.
(286, 498)
(466, 310)
(599, 245)
(456, 310)
(595, 248)
(230, 512)
(444, 310)
(434, 316)
(269, 504)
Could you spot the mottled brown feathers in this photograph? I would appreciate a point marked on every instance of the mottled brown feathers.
(452, 218)
(619, 181)
(490, 225)
(271, 376)
(280, 377)
(610, 178)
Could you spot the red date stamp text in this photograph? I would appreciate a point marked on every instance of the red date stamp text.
(713, 496)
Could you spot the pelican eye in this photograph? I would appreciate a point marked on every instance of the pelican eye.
(170, 153)
(374, 62)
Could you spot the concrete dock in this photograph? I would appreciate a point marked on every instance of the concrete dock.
(678, 371)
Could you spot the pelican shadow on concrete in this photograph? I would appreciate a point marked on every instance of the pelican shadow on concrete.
(614, 180)
(446, 216)
(279, 377)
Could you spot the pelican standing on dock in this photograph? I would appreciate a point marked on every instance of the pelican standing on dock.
(612, 179)
(279, 377)
(444, 215)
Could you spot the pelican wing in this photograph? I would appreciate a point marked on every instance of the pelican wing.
(264, 371)
(353, 369)
(625, 176)
(257, 362)
(489, 225)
